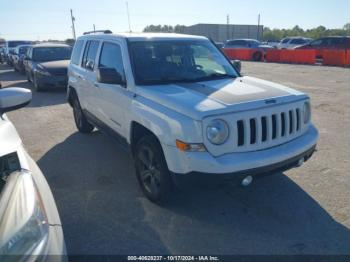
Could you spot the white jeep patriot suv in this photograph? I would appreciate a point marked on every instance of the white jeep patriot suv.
(184, 109)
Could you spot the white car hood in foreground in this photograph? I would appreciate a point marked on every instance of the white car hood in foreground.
(198, 100)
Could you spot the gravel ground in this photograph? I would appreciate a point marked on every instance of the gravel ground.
(304, 211)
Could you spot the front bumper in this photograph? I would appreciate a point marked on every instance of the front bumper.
(282, 156)
(52, 80)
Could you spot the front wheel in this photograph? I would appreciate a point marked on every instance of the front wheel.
(151, 170)
(37, 86)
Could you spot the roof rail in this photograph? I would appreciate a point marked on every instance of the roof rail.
(99, 31)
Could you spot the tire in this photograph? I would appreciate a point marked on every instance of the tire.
(37, 86)
(257, 56)
(28, 77)
(152, 171)
(79, 118)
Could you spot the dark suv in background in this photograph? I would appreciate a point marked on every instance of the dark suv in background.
(331, 42)
(46, 65)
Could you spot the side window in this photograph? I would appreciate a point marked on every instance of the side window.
(76, 52)
(90, 53)
(337, 41)
(111, 57)
(232, 43)
(317, 42)
(298, 41)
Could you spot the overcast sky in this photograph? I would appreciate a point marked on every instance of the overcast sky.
(49, 19)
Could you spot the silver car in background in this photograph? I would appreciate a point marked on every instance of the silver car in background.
(292, 42)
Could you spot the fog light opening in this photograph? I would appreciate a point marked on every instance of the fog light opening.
(301, 162)
(247, 181)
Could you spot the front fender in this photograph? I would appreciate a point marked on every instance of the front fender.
(166, 124)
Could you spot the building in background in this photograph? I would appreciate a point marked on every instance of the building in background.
(223, 32)
(2, 42)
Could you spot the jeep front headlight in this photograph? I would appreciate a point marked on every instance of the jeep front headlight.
(24, 227)
(307, 112)
(218, 132)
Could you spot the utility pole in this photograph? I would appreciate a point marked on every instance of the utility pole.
(73, 26)
(127, 11)
(258, 36)
(94, 28)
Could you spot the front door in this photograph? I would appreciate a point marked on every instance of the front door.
(114, 99)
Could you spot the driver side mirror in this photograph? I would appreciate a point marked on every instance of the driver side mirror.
(109, 76)
(237, 65)
(14, 98)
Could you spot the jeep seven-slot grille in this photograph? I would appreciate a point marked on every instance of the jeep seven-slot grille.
(268, 128)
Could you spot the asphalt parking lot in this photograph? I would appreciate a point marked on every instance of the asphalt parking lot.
(304, 211)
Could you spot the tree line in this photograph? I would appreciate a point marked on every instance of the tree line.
(321, 31)
(268, 34)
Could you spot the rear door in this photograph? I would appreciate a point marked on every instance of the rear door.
(114, 99)
(86, 76)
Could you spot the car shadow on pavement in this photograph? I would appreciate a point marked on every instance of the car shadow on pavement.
(104, 212)
(98, 198)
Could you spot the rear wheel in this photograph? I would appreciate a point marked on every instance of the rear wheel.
(28, 77)
(80, 120)
(151, 170)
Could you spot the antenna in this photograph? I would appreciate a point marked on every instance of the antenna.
(127, 11)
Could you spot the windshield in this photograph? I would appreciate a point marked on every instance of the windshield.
(165, 62)
(12, 44)
(45, 54)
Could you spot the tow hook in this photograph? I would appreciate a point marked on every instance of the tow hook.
(247, 181)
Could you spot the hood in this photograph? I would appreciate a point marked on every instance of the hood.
(10, 140)
(53, 65)
(56, 67)
(198, 100)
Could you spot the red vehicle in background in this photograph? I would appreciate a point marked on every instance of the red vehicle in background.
(330, 42)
